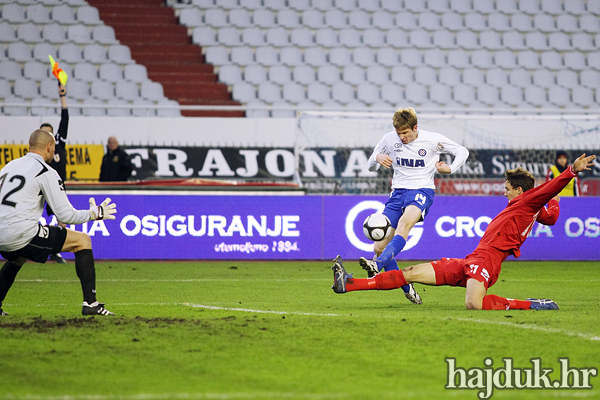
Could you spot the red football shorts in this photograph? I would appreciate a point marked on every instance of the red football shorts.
(457, 271)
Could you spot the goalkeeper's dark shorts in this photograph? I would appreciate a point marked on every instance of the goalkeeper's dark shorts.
(48, 240)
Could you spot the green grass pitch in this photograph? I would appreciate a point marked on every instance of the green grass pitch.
(275, 330)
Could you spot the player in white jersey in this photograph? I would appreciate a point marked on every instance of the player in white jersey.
(414, 155)
(25, 184)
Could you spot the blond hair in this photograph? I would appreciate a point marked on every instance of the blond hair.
(405, 118)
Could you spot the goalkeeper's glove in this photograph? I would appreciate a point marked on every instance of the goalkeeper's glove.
(105, 210)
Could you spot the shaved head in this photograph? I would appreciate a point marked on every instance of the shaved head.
(39, 139)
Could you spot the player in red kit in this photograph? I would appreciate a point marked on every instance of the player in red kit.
(503, 237)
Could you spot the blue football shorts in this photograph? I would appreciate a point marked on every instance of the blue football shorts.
(402, 198)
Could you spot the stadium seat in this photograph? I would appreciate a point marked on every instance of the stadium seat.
(326, 37)
(475, 22)
(54, 33)
(575, 7)
(575, 60)
(521, 23)
(38, 13)
(511, 95)
(304, 74)
(269, 92)
(482, 59)
(104, 34)
(14, 110)
(449, 76)
(95, 53)
(528, 60)
(484, 6)
(229, 36)
(29, 33)
(312, 19)
(191, 17)
(567, 78)
(377, 74)
(369, 5)
(242, 56)
(301, 37)
(363, 56)
(420, 39)
(217, 55)
(551, 60)
(279, 74)
(26, 88)
(228, 74)
(359, 19)
(95, 109)
(102, 90)
(520, 77)
(127, 90)
(151, 90)
(544, 23)
(88, 15)
(328, 74)
(513, 41)
(386, 56)
(35, 70)
(553, 7)
(304, 4)
(391, 5)
(263, 18)
(85, 72)
(290, 56)
(336, 19)
(110, 72)
(288, 18)
(583, 96)
(396, 38)
(529, 6)
(567, 23)
(402, 74)
(536, 96)
(340, 56)
(135, 73)
(543, 78)
(64, 14)
(440, 93)
(315, 56)
(13, 13)
(266, 55)
(7, 32)
(499, 22)
(590, 79)
(278, 37)
(318, 92)
(255, 74)
(120, 54)
(353, 74)
(383, 20)
(496, 77)
(589, 23)
(461, 6)
(536, 41)
(282, 112)
(243, 92)
(438, 6)
(392, 93)
(559, 96)
(426, 75)
(240, 18)
(490, 40)
(505, 59)
(41, 51)
(464, 94)
(593, 60)
(41, 106)
(293, 92)
(342, 92)
(487, 94)
(411, 57)
(226, 4)
(583, 41)
(20, 52)
(452, 21)
(444, 39)
(373, 37)
(458, 58)
(349, 37)
(115, 108)
(473, 76)
(417, 93)
(407, 21)
(215, 17)
(468, 40)
(429, 21)
(559, 41)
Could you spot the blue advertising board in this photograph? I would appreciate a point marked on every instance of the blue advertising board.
(229, 227)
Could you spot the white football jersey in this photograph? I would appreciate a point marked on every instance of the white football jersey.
(24, 185)
(414, 163)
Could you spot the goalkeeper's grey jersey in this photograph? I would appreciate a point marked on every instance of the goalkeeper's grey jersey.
(414, 163)
(24, 185)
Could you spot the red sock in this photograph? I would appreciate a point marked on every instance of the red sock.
(493, 302)
(383, 281)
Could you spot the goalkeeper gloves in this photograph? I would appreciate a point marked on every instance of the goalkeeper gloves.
(105, 210)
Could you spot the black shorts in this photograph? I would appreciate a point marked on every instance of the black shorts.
(49, 240)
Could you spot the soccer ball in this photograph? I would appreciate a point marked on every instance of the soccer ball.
(376, 226)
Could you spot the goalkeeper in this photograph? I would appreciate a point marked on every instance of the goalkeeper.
(25, 184)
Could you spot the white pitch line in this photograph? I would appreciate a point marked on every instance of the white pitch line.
(249, 310)
(174, 280)
(189, 396)
(532, 327)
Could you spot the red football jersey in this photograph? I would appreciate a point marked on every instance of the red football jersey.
(510, 228)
